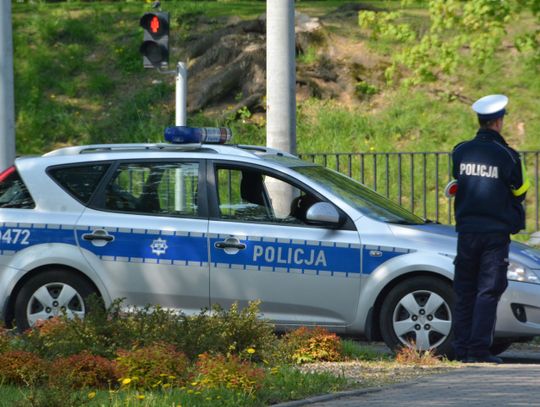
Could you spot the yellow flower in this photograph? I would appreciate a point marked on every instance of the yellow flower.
(126, 381)
(166, 385)
(91, 395)
(250, 351)
(140, 396)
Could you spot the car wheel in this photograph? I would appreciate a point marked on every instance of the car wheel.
(418, 313)
(50, 294)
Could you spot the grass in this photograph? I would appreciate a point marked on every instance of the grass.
(355, 351)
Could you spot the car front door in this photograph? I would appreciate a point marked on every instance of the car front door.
(302, 274)
(145, 233)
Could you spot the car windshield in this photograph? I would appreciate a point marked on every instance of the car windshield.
(360, 197)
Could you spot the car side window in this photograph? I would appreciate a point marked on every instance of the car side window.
(154, 188)
(13, 192)
(250, 195)
(80, 181)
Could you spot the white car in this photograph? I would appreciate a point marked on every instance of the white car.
(187, 226)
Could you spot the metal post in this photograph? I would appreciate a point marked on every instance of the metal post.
(180, 120)
(181, 94)
(7, 98)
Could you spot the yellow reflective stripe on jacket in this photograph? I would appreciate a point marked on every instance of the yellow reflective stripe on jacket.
(526, 183)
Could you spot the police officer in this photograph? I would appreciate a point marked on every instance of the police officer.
(491, 187)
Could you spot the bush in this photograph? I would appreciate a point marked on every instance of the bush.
(305, 345)
(215, 371)
(409, 355)
(152, 366)
(62, 337)
(104, 331)
(5, 340)
(233, 331)
(22, 368)
(82, 370)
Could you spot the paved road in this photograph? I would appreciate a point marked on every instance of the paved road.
(514, 383)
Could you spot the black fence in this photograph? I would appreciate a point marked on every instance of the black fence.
(416, 180)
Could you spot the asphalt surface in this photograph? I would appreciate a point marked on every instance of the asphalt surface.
(514, 383)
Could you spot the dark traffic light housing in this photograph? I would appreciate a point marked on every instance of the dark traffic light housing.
(155, 46)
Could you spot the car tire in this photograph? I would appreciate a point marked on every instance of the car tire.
(49, 294)
(418, 312)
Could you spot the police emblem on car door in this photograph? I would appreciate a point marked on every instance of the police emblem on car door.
(146, 235)
(263, 248)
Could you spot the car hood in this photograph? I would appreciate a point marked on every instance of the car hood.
(442, 238)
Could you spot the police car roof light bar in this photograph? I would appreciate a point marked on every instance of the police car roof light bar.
(188, 135)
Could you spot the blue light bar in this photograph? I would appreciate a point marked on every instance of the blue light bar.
(188, 135)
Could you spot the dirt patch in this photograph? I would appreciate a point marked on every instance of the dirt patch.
(227, 64)
(367, 374)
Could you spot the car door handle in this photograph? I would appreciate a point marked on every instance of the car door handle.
(229, 245)
(98, 235)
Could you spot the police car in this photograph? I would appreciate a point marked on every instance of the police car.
(190, 225)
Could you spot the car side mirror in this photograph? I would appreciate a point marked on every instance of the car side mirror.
(323, 214)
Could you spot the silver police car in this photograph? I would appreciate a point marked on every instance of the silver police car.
(187, 226)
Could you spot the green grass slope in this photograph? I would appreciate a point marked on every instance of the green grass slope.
(79, 79)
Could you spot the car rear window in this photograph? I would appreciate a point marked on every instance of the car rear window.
(13, 192)
(81, 180)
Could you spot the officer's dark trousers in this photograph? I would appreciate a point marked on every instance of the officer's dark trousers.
(480, 279)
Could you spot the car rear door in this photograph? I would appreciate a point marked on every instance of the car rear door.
(302, 274)
(145, 233)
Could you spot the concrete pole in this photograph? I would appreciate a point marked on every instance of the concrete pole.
(280, 76)
(280, 92)
(7, 98)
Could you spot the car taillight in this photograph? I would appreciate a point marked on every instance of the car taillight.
(7, 173)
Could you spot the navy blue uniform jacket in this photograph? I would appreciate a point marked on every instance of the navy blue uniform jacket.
(491, 185)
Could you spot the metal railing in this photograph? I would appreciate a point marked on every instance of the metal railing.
(416, 180)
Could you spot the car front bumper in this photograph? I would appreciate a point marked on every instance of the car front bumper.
(518, 313)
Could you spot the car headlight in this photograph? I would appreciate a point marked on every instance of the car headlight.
(518, 272)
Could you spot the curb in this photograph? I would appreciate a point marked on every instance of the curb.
(341, 394)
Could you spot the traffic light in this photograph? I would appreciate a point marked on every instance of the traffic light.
(155, 46)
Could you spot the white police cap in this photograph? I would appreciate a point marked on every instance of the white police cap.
(490, 107)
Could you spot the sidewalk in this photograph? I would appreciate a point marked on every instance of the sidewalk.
(475, 385)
